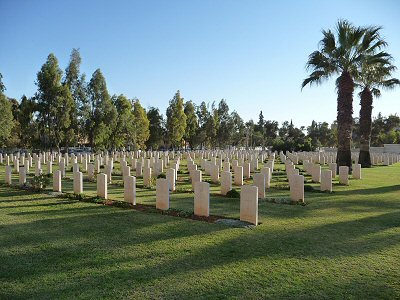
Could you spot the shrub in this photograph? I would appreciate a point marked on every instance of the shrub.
(162, 175)
(40, 182)
(233, 194)
(152, 182)
(308, 188)
(282, 186)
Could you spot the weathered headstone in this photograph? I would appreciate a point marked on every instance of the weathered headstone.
(57, 181)
(202, 199)
(171, 179)
(249, 204)
(78, 183)
(267, 174)
(162, 194)
(49, 167)
(238, 175)
(146, 176)
(259, 182)
(196, 177)
(357, 171)
(297, 188)
(344, 175)
(102, 185)
(130, 189)
(333, 168)
(316, 173)
(326, 180)
(215, 174)
(8, 174)
(22, 176)
(226, 182)
(90, 171)
(246, 170)
(139, 170)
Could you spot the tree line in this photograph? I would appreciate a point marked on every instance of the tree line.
(69, 111)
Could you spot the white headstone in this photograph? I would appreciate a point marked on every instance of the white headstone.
(249, 204)
(202, 199)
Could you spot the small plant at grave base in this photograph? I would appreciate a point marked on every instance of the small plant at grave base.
(118, 183)
(178, 212)
(281, 186)
(152, 182)
(162, 175)
(120, 204)
(233, 193)
(285, 201)
(277, 173)
(40, 182)
(308, 188)
(183, 190)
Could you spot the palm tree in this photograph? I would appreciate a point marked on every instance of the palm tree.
(342, 54)
(371, 79)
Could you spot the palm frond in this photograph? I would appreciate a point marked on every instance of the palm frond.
(316, 78)
(376, 92)
(328, 43)
(372, 40)
(343, 28)
(390, 84)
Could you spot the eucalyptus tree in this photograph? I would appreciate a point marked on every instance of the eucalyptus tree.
(192, 124)
(103, 114)
(54, 104)
(156, 129)
(123, 130)
(76, 82)
(141, 124)
(7, 119)
(176, 120)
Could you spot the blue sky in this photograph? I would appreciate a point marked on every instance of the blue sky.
(251, 53)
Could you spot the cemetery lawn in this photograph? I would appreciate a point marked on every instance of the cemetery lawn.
(340, 245)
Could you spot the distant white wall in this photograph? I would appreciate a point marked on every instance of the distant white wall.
(392, 148)
(387, 148)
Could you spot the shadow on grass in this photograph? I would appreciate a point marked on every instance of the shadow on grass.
(79, 248)
(368, 191)
(72, 244)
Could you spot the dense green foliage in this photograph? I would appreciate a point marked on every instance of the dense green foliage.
(54, 105)
(6, 120)
(156, 129)
(176, 121)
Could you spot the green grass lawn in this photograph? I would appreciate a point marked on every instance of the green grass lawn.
(340, 245)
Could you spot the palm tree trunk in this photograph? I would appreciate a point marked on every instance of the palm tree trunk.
(344, 118)
(365, 128)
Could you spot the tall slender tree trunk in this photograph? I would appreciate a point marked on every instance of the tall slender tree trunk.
(344, 118)
(365, 128)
